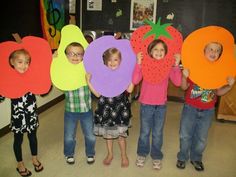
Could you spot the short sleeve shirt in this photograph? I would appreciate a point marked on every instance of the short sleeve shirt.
(199, 97)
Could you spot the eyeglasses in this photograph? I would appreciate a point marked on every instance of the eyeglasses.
(72, 54)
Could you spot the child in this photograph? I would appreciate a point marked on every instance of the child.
(112, 116)
(153, 99)
(78, 107)
(197, 113)
(23, 116)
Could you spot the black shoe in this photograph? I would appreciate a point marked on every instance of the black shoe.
(180, 164)
(198, 165)
(70, 160)
(90, 159)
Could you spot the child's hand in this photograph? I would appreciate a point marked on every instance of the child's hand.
(177, 59)
(185, 72)
(230, 80)
(139, 58)
(88, 77)
(55, 54)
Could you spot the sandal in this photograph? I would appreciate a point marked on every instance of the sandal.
(26, 172)
(38, 167)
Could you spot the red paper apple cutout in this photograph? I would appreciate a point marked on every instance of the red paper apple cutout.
(36, 79)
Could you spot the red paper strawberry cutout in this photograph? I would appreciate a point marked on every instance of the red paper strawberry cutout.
(154, 71)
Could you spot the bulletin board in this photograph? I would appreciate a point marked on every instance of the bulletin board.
(112, 17)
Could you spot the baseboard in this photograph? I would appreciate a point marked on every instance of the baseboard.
(51, 103)
(6, 129)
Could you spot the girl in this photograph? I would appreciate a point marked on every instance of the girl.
(23, 116)
(153, 99)
(112, 116)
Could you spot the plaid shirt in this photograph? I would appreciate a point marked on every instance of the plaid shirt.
(78, 100)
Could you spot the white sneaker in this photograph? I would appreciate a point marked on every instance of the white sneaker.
(70, 160)
(156, 164)
(140, 161)
(90, 159)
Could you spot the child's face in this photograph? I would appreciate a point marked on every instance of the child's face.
(20, 63)
(114, 61)
(212, 51)
(158, 51)
(75, 54)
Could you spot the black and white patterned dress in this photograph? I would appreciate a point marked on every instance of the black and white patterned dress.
(112, 116)
(24, 117)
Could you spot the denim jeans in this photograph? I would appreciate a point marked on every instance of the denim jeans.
(152, 119)
(194, 126)
(70, 126)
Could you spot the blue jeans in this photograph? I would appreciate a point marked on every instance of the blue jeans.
(152, 118)
(194, 126)
(70, 127)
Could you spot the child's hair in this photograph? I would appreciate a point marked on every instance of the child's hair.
(221, 47)
(74, 44)
(108, 53)
(15, 54)
(154, 43)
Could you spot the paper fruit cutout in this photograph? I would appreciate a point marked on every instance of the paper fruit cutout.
(155, 71)
(36, 79)
(65, 75)
(105, 81)
(206, 74)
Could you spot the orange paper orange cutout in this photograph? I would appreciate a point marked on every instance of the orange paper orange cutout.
(206, 74)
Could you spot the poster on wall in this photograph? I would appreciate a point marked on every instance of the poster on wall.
(141, 10)
(94, 5)
(52, 14)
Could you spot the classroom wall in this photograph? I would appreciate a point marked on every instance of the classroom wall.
(188, 15)
(5, 106)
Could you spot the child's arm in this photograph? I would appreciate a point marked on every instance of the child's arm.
(139, 58)
(88, 78)
(184, 82)
(224, 89)
(177, 57)
(175, 73)
(130, 88)
(137, 74)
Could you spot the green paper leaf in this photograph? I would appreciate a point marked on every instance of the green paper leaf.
(157, 29)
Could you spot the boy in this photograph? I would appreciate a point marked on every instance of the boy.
(78, 107)
(197, 113)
